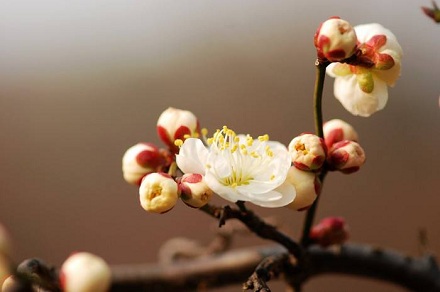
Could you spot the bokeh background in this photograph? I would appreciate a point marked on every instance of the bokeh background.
(82, 81)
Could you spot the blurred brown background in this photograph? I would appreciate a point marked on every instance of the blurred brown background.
(81, 82)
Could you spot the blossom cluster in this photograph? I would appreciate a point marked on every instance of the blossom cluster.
(236, 167)
(365, 60)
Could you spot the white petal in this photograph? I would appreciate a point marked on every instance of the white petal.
(389, 76)
(356, 101)
(192, 156)
(381, 92)
(220, 165)
(329, 70)
(365, 32)
(287, 192)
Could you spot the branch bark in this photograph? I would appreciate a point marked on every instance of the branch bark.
(417, 274)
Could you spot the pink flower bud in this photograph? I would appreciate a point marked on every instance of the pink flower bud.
(335, 40)
(307, 151)
(346, 156)
(176, 124)
(142, 159)
(329, 231)
(194, 191)
(158, 193)
(307, 188)
(337, 130)
(85, 272)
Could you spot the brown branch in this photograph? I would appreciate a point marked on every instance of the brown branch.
(256, 225)
(417, 274)
(269, 268)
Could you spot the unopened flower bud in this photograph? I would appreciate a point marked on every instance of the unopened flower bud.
(307, 151)
(335, 40)
(158, 193)
(329, 231)
(85, 272)
(176, 124)
(337, 130)
(346, 156)
(307, 188)
(194, 191)
(142, 159)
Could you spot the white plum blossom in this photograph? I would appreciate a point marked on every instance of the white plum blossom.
(239, 168)
(362, 88)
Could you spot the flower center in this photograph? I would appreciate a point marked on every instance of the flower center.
(245, 157)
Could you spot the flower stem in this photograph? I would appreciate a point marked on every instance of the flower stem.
(317, 100)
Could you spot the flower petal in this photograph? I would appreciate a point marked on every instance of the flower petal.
(358, 102)
(391, 75)
(192, 156)
(287, 192)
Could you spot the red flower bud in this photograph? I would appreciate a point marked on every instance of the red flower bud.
(329, 231)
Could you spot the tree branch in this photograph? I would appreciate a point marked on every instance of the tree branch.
(256, 225)
(417, 274)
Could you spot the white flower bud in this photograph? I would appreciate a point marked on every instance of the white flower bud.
(346, 156)
(85, 272)
(307, 188)
(158, 193)
(335, 40)
(140, 160)
(176, 124)
(307, 151)
(194, 191)
(337, 130)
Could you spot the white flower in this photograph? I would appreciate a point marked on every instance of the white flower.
(239, 168)
(362, 89)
